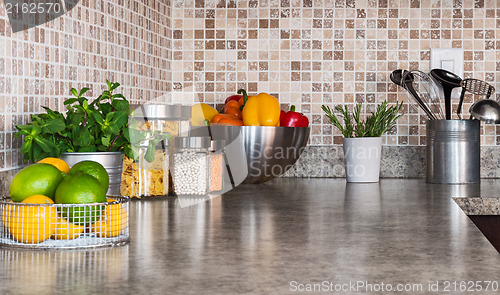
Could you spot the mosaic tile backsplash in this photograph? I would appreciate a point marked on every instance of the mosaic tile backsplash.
(305, 52)
(310, 53)
(123, 41)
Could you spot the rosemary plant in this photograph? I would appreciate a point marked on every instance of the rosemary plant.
(374, 125)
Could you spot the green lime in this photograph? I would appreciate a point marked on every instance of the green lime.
(36, 179)
(92, 168)
(80, 188)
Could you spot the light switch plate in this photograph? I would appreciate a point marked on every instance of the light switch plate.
(450, 59)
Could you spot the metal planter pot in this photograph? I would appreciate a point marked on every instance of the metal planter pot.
(112, 162)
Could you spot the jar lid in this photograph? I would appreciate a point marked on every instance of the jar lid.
(192, 142)
(217, 145)
(185, 112)
(157, 111)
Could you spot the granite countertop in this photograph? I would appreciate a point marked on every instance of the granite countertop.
(276, 238)
(479, 205)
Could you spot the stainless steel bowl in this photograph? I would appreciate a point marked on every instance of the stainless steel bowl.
(257, 154)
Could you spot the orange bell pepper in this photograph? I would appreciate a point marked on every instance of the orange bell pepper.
(233, 104)
(261, 110)
(219, 117)
(230, 122)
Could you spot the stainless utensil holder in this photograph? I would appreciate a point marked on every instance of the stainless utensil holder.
(453, 151)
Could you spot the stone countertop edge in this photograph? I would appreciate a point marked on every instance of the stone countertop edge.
(479, 205)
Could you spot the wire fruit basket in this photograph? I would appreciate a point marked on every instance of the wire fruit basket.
(64, 226)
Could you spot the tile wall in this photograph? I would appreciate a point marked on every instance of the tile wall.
(334, 52)
(305, 52)
(126, 41)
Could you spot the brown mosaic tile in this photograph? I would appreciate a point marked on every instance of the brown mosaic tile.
(341, 47)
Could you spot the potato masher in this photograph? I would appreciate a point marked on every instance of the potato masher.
(474, 86)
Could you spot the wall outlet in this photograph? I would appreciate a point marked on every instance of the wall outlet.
(450, 59)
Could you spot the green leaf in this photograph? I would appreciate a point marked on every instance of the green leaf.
(83, 91)
(99, 119)
(120, 119)
(27, 144)
(46, 145)
(150, 153)
(85, 137)
(87, 149)
(37, 119)
(53, 126)
(109, 117)
(53, 114)
(106, 140)
(136, 136)
(118, 95)
(121, 105)
(23, 130)
(112, 86)
(70, 101)
(106, 108)
(74, 92)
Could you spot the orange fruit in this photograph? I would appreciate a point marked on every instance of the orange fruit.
(112, 223)
(80, 188)
(65, 230)
(32, 223)
(58, 163)
(94, 169)
(36, 179)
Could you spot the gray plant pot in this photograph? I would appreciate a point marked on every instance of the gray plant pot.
(112, 162)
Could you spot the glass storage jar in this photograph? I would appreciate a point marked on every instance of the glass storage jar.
(185, 121)
(141, 178)
(163, 117)
(191, 165)
(217, 165)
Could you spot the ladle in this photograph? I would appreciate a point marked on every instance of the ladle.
(486, 110)
(448, 81)
(397, 78)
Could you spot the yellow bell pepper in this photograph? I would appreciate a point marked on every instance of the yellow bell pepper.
(201, 112)
(261, 110)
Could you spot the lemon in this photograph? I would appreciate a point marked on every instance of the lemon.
(65, 230)
(30, 224)
(112, 223)
(58, 163)
(94, 169)
(201, 112)
(36, 179)
(80, 188)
